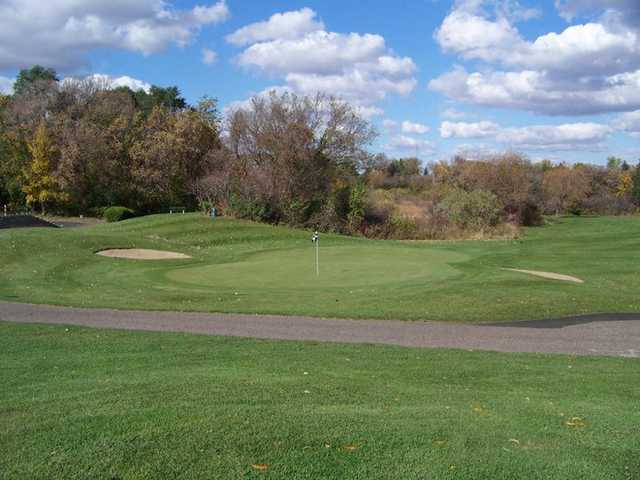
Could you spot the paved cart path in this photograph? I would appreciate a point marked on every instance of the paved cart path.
(611, 335)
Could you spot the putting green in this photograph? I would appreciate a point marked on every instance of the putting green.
(340, 266)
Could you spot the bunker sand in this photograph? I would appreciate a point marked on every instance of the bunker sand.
(142, 254)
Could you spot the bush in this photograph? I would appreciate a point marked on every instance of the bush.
(472, 211)
(118, 214)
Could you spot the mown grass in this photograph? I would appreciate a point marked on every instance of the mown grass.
(96, 404)
(252, 268)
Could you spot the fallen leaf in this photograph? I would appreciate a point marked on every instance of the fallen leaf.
(351, 447)
(261, 467)
(576, 422)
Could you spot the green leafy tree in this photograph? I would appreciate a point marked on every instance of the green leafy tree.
(28, 78)
(169, 98)
(357, 205)
(614, 163)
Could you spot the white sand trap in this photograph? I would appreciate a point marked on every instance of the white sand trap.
(142, 254)
(549, 275)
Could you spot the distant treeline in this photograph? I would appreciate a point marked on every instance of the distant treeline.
(80, 146)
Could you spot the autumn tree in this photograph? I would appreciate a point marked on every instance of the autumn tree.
(564, 188)
(291, 151)
(41, 187)
(174, 151)
(95, 134)
(635, 192)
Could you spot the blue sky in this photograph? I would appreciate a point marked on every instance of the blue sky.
(556, 79)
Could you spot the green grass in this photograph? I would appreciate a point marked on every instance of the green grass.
(93, 404)
(252, 268)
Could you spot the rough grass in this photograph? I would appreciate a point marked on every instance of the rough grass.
(252, 268)
(93, 404)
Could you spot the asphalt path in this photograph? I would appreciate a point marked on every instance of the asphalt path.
(607, 335)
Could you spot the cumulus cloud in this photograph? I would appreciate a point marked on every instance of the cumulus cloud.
(416, 128)
(286, 25)
(468, 130)
(60, 33)
(406, 143)
(629, 123)
(111, 81)
(625, 10)
(209, 57)
(584, 69)
(571, 136)
(453, 114)
(539, 92)
(6, 85)
(357, 67)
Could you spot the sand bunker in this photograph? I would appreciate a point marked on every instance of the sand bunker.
(549, 275)
(142, 254)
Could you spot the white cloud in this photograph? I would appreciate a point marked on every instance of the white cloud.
(584, 69)
(629, 123)
(6, 85)
(209, 57)
(368, 112)
(572, 136)
(538, 92)
(416, 128)
(110, 81)
(286, 25)
(317, 52)
(627, 10)
(476, 37)
(468, 130)
(406, 143)
(60, 33)
(453, 114)
(357, 67)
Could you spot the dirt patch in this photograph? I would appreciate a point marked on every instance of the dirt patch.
(142, 254)
(549, 275)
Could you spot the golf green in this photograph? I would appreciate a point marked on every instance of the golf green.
(346, 267)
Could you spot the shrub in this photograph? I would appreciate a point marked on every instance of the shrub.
(118, 214)
(357, 205)
(473, 211)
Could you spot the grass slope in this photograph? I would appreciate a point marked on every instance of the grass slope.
(88, 404)
(251, 268)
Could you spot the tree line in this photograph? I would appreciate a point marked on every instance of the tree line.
(79, 146)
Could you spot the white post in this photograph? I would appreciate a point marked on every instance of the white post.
(318, 257)
(316, 239)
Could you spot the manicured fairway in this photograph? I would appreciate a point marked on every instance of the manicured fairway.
(95, 404)
(251, 268)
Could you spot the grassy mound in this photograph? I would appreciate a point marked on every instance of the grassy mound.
(245, 267)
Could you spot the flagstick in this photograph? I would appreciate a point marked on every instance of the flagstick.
(318, 257)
